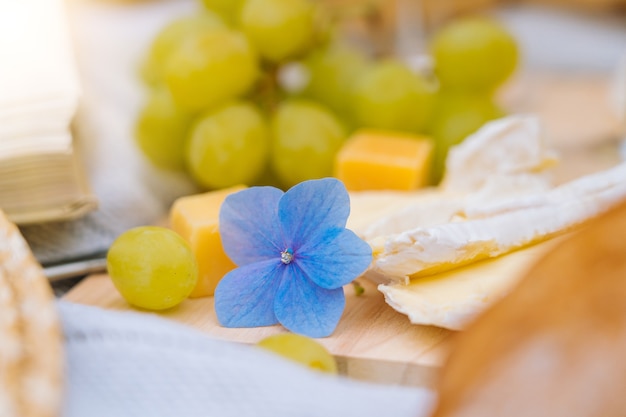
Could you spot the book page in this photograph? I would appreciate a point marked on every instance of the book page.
(41, 178)
(110, 41)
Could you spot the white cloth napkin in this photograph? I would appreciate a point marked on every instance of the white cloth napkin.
(127, 364)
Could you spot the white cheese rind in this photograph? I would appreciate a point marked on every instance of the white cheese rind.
(588, 186)
(369, 208)
(453, 299)
(430, 210)
(449, 245)
(510, 146)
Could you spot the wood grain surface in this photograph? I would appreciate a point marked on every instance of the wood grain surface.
(372, 341)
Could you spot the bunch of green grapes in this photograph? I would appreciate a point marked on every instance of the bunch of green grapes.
(216, 109)
(265, 92)
(473, 57)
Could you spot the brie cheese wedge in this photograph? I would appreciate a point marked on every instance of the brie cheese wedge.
(453, 299)
(427, 250)
(439, 252)
(505, 148)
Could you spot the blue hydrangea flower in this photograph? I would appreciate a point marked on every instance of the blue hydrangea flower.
(293, 254)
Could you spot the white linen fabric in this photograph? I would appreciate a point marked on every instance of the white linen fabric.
(128, 364)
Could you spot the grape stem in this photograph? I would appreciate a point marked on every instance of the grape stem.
(358, 288)
(267, 92)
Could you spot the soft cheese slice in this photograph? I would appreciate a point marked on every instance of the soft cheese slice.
(366, 207)
(376, 213)
(454, 298)
(427, 250)
(507, 147)
(589, 185)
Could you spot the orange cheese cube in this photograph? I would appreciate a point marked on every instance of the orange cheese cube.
(196, 219)
(377, 160)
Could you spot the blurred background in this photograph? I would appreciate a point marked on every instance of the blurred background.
(182, 96)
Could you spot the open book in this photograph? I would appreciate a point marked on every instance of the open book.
(40, 176)
(108, 39)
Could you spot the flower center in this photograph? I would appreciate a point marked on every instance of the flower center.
(286, 256)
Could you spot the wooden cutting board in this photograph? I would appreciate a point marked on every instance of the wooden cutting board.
(372, 341)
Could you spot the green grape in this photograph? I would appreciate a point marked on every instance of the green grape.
(268, 177)
(456, 116)
(211, 69)
(388, 95)
(228, 147)
(475, 54)
(228, 10)
(332, 72)
(305, 138)
(279, 29)
(301, 349)
(170, 38)
(161, 131)
(152, 267)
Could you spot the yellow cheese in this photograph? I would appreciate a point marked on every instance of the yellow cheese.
(373, 160)
(454, 298)
(195, 218)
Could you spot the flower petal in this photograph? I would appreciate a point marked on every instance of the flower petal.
(313, 206)
(245, 296)
(305, 308)
(334, 260)
(249, 225)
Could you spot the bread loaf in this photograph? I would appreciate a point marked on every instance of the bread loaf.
(31, 355)
(556, 345)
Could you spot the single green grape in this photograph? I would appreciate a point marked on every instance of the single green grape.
(475, 54)
(332, 73)
(152, 267)
(161, 131)
(170, 38)
(305, 138)
(268, 177)
(279, 29)
(301, 349)
(211, 69)
(388, 95)
(228, 10)
(456, 116)
(229, 146)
